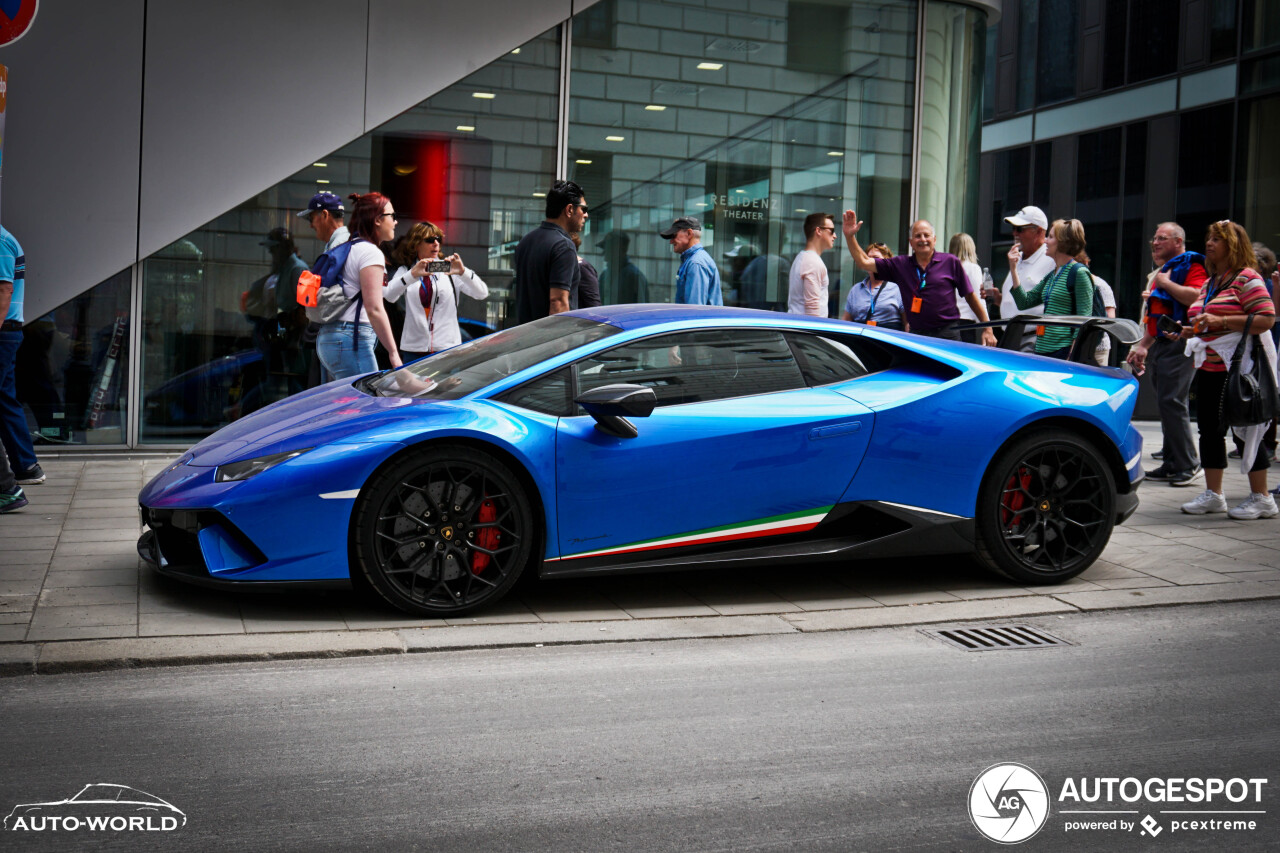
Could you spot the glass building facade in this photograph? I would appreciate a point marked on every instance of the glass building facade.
(1128, 113)
(749, 116)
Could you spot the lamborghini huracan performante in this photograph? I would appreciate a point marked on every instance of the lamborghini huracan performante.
(656, 437)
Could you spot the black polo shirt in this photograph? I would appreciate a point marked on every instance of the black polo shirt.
(545, 258)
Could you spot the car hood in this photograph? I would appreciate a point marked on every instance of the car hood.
(331, 413)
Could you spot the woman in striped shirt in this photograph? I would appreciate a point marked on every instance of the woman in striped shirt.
(1234, 293)
(1067, 290)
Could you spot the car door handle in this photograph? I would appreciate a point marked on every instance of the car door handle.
(834, 430)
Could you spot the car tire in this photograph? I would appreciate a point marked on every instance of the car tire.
(443, 531)
(1046, 508)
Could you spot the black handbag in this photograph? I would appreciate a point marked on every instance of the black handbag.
(1249, 398)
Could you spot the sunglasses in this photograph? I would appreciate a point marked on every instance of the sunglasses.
(433, 239)
(392, 215)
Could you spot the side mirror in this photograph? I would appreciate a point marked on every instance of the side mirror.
(611, 404)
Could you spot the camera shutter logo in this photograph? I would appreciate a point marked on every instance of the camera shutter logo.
(1008, 803)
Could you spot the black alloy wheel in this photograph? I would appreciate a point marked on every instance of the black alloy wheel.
(443, 532)
(1046, 508)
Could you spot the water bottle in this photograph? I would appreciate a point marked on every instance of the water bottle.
(987, 283)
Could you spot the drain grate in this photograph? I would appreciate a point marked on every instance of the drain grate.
(988, 638)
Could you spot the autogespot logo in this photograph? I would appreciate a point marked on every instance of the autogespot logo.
(1008, 803)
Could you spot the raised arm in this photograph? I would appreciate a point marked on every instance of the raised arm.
(851, 226)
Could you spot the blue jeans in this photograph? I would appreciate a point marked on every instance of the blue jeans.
(13, 420)
(339, 357)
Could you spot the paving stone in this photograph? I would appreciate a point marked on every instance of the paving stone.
(88, 616)
(15, 659)
(19, 601)
(89, 595)
(91, 577)
(95, 562)
(168, 651)
(188, 624)
(45, 633)
(566, 633)
(1114, 599)
(923, 614)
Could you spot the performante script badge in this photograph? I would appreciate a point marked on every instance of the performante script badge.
(1008, 803)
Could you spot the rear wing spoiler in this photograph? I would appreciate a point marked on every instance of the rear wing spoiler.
(1124, 333)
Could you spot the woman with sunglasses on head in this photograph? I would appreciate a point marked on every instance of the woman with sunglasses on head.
(1066, 291)
(1233, 294)
(430, 299)
(346, 346)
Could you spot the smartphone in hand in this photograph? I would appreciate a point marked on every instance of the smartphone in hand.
(439, 266)
(1166, 325)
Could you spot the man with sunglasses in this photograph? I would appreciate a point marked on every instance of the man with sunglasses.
(808, 282)
(1034, 263)
(546, 261)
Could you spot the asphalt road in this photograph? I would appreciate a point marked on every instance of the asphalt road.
(861, 740)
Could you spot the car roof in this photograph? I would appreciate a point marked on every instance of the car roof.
(640, 315)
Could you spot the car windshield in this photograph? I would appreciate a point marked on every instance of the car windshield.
(471, 366)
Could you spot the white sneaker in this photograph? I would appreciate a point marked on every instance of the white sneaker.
(1257, 505)
(1207, 501)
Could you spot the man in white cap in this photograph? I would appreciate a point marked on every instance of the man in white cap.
(1029, 227)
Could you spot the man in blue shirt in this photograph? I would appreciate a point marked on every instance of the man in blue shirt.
(13, 420)
(698, 281)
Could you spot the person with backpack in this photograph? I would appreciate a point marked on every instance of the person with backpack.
(1066, 291)
(346, 343)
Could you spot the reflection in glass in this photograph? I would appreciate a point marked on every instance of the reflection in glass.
(73, 367)
(950, 116)
(222, 335)
(745, 120)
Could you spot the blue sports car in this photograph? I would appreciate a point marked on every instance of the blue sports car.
(656, 437)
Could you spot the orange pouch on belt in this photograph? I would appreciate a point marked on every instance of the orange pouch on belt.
(308, 289)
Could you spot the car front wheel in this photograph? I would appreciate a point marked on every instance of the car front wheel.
(1046, 508)
(443, 532)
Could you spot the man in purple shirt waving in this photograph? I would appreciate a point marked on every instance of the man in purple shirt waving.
(929, 281)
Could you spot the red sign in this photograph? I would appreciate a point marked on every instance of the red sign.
(16, 17)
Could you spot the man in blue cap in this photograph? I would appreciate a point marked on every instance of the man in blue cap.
(698, 280)
(325, 213)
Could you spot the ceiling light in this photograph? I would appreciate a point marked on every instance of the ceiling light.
(614, 138)
(710, 66)
(654, 108)
(321, 181)
(488, 96)
(466, 128)
(539, 195)
(835, 153)
(517, 50)
(744, 192)
(583, 162)
(321, 165)
(801, 210)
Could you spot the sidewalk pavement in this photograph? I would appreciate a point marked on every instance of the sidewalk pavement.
(75, 596)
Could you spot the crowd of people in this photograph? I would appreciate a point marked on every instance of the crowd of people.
(1198, 309)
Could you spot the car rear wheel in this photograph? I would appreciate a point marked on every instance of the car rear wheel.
(447, 530)
(1046, 508)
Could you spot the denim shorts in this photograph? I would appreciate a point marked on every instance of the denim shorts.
(339, 356)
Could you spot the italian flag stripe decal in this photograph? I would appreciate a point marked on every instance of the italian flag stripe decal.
(793, 522)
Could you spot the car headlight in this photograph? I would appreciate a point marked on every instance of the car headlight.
(250, 467)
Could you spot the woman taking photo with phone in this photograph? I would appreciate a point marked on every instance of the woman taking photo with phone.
(346, 346)
(430, 296)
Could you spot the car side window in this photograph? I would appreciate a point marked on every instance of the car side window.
(549, 394)
(696, 367)
(836, 358)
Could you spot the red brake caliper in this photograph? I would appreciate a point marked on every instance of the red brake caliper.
(1014, 501)
(488, 538)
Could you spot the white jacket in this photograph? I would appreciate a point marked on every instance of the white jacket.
(439, 330)
(1225, 347)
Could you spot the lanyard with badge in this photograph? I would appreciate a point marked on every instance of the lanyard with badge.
(916, 301)
(871, 309)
